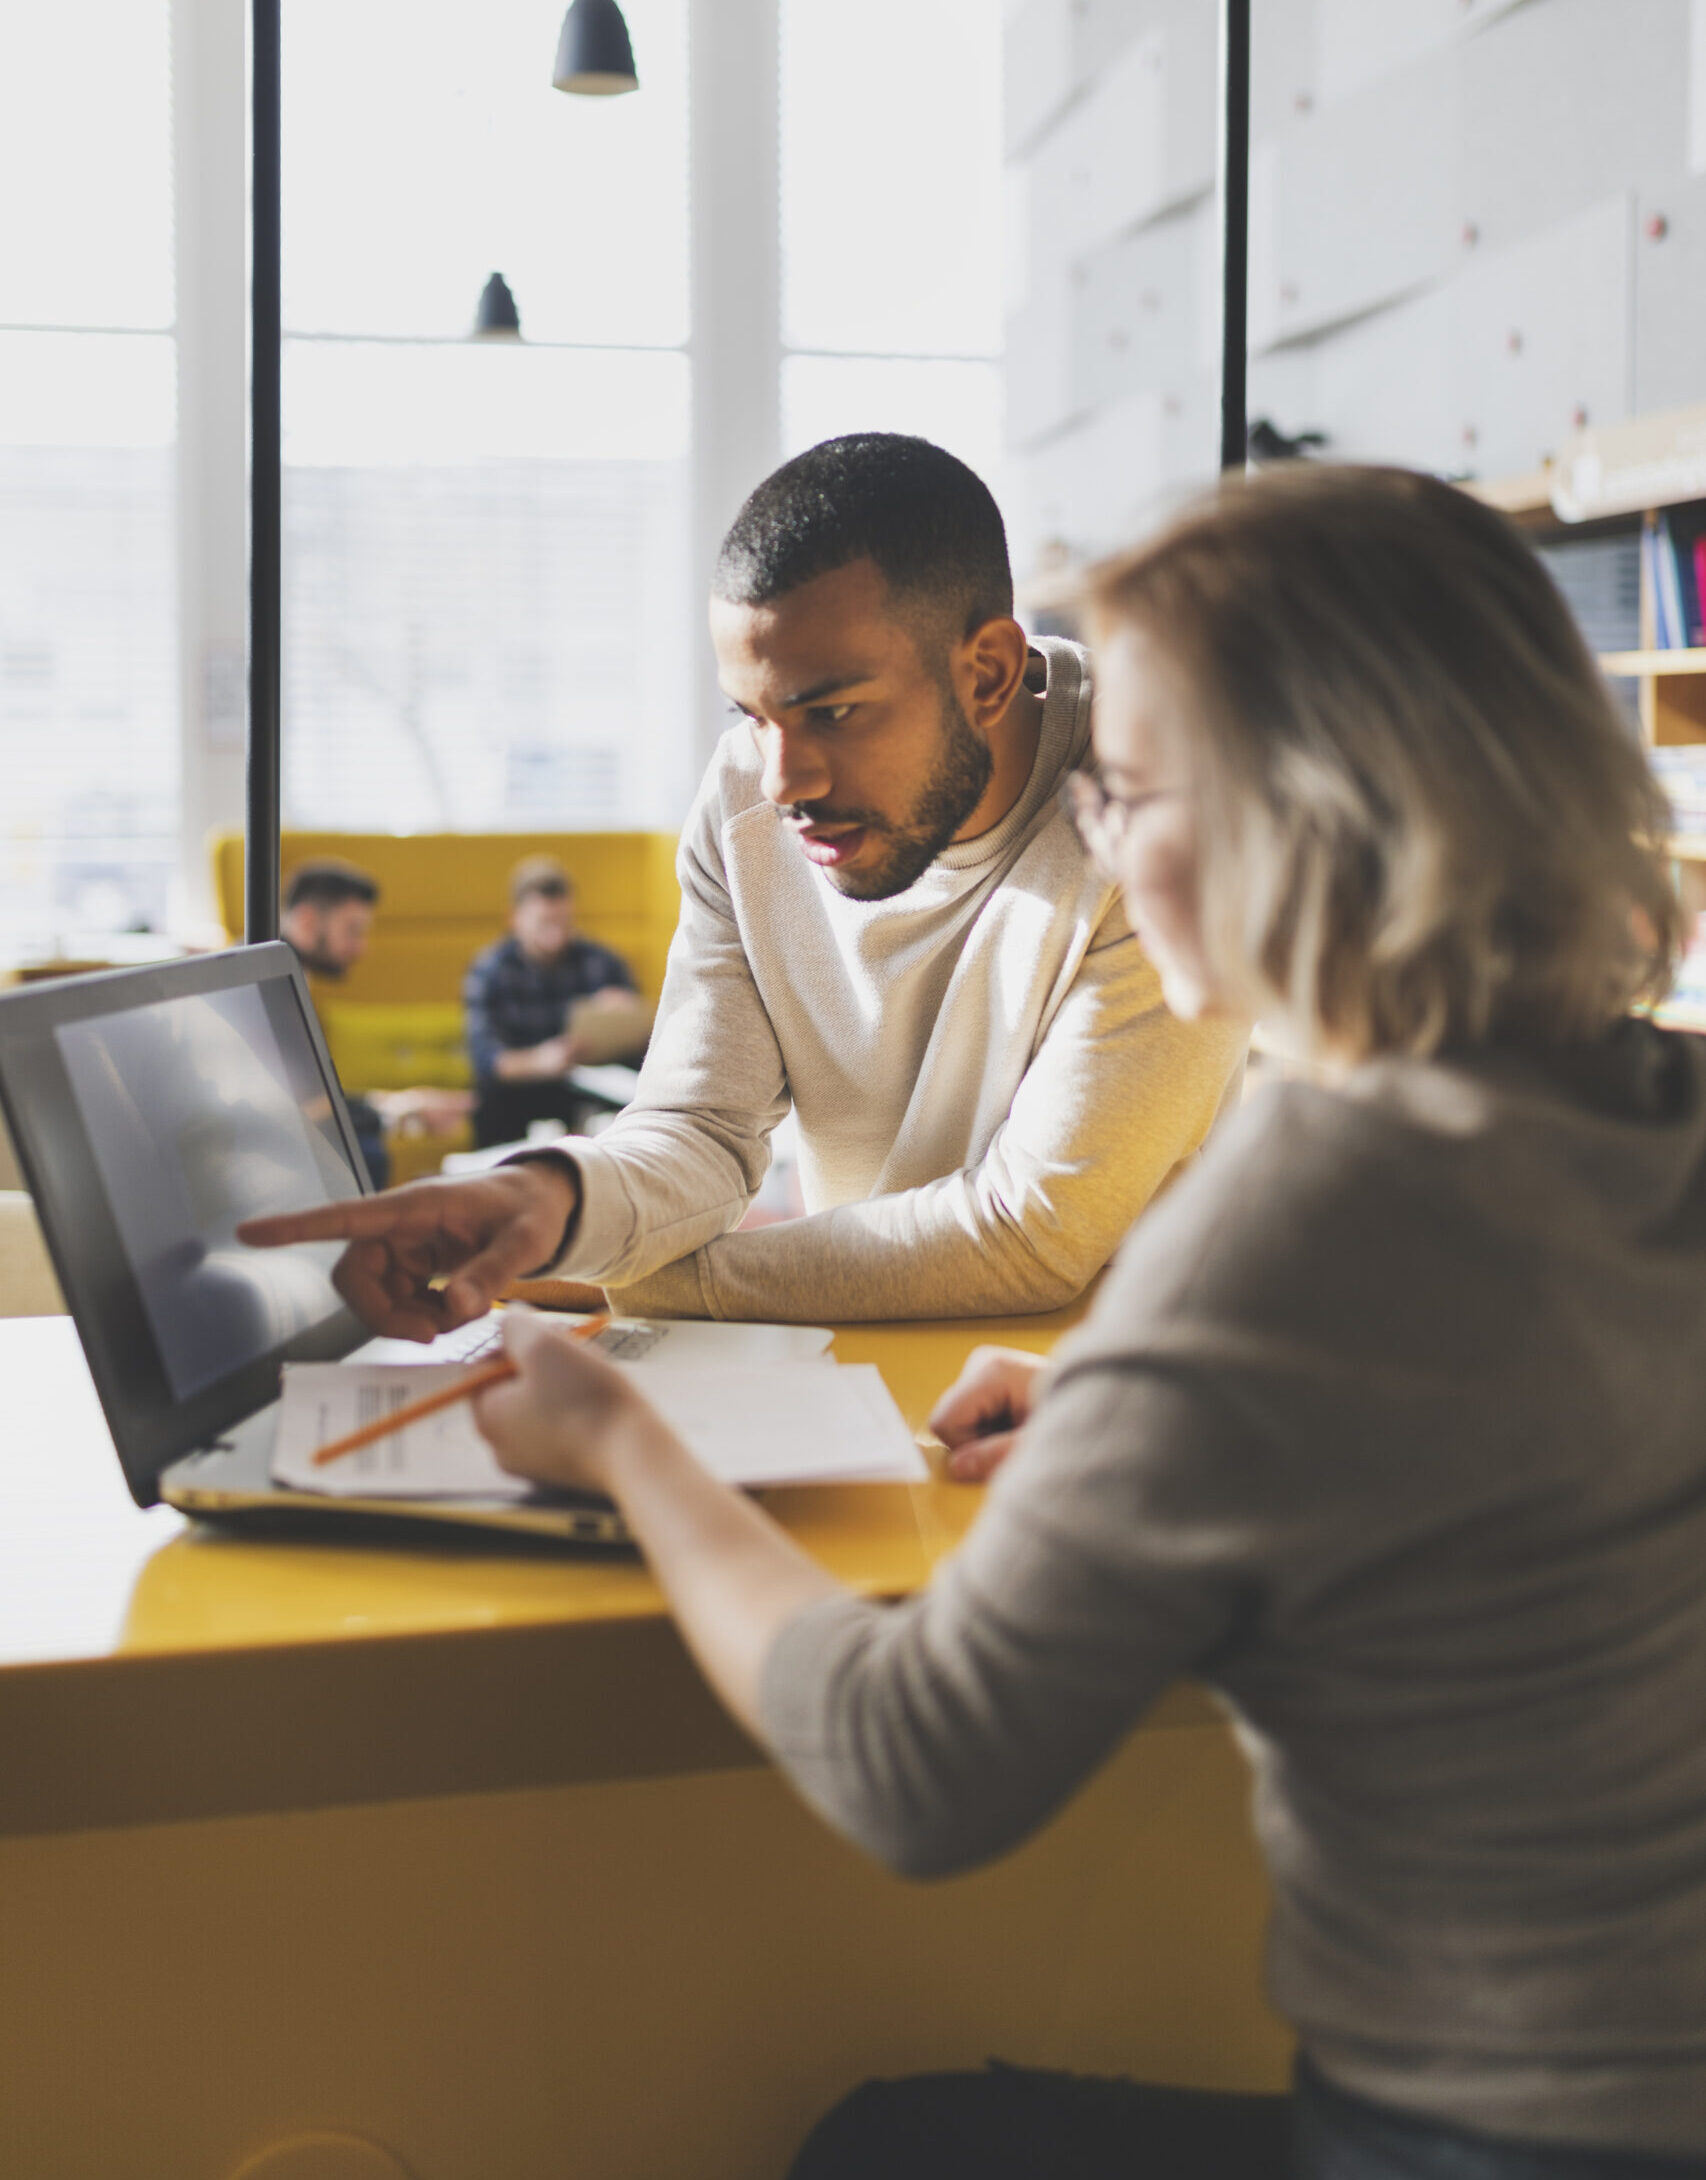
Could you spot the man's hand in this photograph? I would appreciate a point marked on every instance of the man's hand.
(981, 1414)
(472, 1237)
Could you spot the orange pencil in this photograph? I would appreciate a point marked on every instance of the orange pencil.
(474, 1380)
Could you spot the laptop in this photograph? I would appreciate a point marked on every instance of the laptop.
(152, 1110)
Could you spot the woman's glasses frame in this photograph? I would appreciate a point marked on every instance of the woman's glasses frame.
(1100, 816)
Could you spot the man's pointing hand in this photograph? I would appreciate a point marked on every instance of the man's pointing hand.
(423, 1259)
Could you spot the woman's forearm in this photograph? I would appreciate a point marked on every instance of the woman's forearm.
(733, 1578)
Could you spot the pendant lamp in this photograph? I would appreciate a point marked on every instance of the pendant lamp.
(496, 318)
(594, 54)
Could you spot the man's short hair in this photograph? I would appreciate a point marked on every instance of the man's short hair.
(328, 883)
(539, 874)
(929, 523)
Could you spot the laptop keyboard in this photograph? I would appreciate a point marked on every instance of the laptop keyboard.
(483, 1336)
(471, 1342)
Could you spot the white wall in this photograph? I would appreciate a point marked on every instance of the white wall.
(1474, 224)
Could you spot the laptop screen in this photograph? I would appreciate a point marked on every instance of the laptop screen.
(152, 1111)
(200, 1115)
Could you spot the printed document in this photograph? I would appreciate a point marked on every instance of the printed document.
(782, 1423)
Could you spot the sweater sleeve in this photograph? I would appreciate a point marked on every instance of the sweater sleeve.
(940, 1732)
(1117, 1097)
(685, 1159)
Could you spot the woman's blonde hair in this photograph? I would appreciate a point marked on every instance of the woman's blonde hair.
(1422, 822)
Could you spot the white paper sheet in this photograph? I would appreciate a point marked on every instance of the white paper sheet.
(677, 1341)
(789, 1422)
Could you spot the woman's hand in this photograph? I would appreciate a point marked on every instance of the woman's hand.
(567, 1417)
(980, 1416)
(733, 1578)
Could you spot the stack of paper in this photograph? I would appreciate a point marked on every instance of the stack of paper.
(753, 1414)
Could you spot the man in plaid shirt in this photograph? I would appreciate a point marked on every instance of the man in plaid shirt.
(517, 996)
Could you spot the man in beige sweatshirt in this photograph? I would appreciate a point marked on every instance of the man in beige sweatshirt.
(887, 922)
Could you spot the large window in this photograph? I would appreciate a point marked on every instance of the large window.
(88, 646)
(490, 618)
(892, 264)
(484, 590)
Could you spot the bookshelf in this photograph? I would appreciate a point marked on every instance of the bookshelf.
(1610, 481)
(1622, 478)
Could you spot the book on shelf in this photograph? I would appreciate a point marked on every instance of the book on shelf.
(1681, 770)
(1600, 581)
(1675, 550)
(1690, 986)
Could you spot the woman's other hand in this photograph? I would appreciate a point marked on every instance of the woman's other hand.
(981, 1414)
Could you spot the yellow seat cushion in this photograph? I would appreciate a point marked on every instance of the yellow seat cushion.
(382, 1045)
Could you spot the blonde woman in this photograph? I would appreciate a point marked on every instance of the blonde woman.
(1389, 1423)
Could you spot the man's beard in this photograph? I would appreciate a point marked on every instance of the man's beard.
(318, 963)
(950, 795)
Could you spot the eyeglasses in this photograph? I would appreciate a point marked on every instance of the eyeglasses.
(1100, 816)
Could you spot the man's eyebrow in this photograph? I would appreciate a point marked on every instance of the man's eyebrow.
(833, 685)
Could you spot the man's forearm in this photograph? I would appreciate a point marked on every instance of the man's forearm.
(920, 1254)
(655, 1187)
(1024, 1230)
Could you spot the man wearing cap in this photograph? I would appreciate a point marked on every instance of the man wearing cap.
(888, 923)
(517, 999)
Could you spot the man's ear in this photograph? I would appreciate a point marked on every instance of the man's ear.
(992, 667)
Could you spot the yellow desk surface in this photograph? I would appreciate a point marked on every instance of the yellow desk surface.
(200, 1672)
(445, 1850)
(90, 1576)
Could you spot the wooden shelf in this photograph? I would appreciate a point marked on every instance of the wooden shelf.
(1632, 663)
(1624, 469)
(1528, 495)
(1687, 847)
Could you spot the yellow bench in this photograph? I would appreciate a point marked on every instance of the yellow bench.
(396, 1019)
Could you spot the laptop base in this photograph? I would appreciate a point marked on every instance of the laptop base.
(232, 1482)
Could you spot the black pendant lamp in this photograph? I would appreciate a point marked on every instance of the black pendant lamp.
(594, 55)
(497, 318)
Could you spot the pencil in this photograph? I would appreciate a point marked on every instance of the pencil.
(474, 1380)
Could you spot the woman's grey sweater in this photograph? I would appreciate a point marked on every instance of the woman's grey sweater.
(1390, 1425)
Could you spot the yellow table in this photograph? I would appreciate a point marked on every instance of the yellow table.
(447, 1849)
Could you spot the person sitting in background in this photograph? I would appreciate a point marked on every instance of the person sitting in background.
(327, 920)
(1386, 1424)
(328, 915)
(530, 1003)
